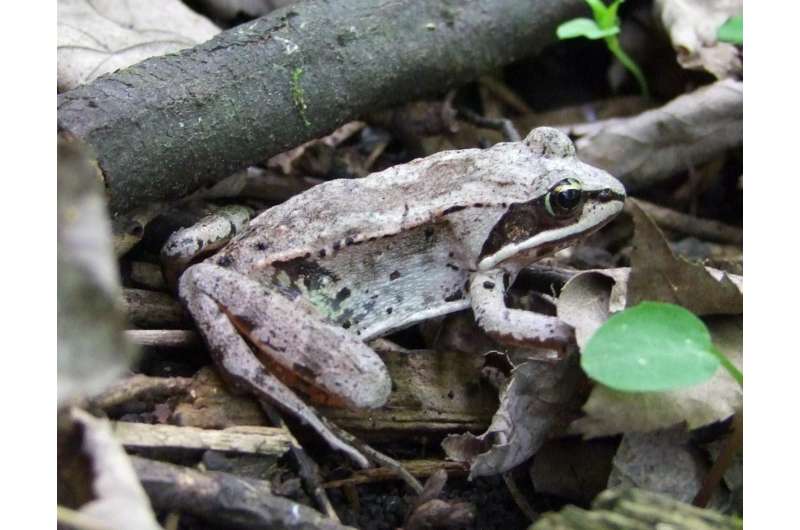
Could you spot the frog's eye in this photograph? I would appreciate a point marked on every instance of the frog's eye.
(564, 198)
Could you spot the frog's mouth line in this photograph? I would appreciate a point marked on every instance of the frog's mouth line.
(550, 241)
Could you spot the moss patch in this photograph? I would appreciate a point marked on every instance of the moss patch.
(298, 97)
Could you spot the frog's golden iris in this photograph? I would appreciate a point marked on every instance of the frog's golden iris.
(564, 198)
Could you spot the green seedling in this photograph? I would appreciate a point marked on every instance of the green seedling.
(604, 26)
(732, 30)
(653, 347)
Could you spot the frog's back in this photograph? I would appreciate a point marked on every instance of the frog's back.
(344, 212)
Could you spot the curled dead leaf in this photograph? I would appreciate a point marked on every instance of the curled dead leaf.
(538, 397)
(692, 28)
(589, 298)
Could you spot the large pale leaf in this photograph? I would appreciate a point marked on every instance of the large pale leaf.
(657, 144)
(92, 350)
(99, 36)
(120, 502)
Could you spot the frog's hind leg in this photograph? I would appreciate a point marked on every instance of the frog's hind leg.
(216, 298)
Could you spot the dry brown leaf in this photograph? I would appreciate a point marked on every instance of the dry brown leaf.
(662, 461)
(572, 468)
(589, 298)
(657, 274)
(581, 304)
(611, 412)
(315, 154)
(96, 37)
(657, 144)
(692, 28)
(537, 397)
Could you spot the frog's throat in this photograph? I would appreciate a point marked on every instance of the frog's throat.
(549, 241)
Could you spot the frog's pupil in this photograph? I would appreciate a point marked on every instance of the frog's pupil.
(568, 199)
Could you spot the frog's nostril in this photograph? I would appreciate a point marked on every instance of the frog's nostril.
(608, 195)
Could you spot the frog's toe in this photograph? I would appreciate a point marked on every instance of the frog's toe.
(371, 391)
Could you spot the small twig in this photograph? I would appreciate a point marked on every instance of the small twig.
(225, 499)
(163, 338)
(688, 224)
(505, 94)
(377, 151)
(519, 498)
(418, 468)
(153, 309)
(249, 439)
(308, 469)
(141, 388)
(376, 456)
(504, 125)
(723, 461)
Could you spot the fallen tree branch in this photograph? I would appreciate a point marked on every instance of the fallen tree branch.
(167, 125)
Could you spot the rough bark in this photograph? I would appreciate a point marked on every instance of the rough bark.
(169, 124)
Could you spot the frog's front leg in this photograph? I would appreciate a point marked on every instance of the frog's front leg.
(514, 326)
(251, 328)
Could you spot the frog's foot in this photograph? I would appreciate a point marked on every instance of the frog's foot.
(323, 359)
(205, 237)
(515, 326)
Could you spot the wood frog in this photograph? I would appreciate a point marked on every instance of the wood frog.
(292, 298)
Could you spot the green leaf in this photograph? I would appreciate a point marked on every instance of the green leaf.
(651, 347)
(732, 30)
(610, 18)
(583, 27)
(599, 9)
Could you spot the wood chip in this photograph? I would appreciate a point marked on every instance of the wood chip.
(252, 439)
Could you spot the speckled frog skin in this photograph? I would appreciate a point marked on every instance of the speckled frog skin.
(292, 298)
